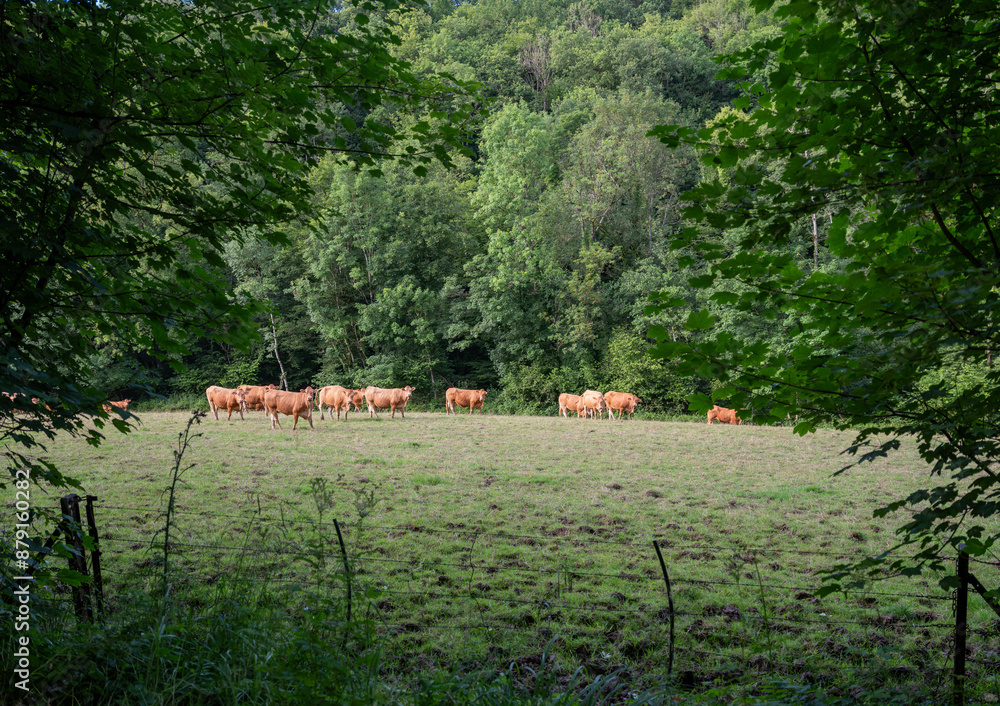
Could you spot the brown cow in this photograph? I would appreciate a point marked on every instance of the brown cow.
(120, 404)
(254, 395)
(463, 398)
(724, 415)
(381, 398)
(623, 402)
(222, 398)
(594, 403)
(358, 398)
(291, 404)
(17, 397)
(337, 398)
(568, 403)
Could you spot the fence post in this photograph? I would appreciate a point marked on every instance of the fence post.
(347, 570)
(961, 614)
(95, 556)
(670, 605)
(70, 506)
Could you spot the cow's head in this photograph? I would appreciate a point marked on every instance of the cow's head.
(409, 391)
(241, 397)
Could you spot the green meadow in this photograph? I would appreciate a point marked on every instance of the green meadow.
(484, 541)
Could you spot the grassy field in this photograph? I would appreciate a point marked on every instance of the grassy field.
(481, 539)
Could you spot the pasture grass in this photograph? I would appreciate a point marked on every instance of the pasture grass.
(476, 541)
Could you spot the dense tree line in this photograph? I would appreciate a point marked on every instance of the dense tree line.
(527, 267)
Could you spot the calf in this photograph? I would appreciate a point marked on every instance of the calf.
(463, 398)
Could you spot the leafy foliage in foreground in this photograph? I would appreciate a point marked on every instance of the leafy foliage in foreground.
(138, 140)
(881, 118)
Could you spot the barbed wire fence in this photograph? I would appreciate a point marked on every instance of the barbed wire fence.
(719, 608)
(736, 607)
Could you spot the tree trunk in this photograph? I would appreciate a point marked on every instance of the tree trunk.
(430, 367)
(815, 244)
(274, 336)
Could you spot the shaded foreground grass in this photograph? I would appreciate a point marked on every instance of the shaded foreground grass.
(479, 540)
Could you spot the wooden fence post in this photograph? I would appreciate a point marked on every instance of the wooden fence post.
(670, 605)
(347, 570)
(70, 506)
(961, 615)
(95, 556)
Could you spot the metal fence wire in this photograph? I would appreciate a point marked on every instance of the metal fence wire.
(456, 590)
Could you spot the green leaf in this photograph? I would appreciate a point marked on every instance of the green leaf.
(700, 320)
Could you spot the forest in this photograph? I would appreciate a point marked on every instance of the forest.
(525, 269)
(787, 207)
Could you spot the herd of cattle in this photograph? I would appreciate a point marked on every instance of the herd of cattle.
(108, 406)
(274, 401)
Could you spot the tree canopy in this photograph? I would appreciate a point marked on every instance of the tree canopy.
(880, 120)
(140, 138)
